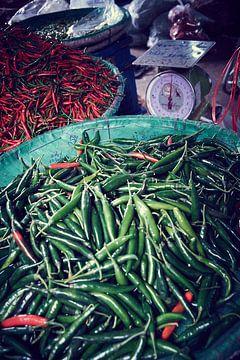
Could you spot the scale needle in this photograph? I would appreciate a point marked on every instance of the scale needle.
(170, 96)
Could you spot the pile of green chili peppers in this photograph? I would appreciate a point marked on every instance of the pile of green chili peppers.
(104, 250)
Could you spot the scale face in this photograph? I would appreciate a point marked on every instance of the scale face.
(170, 94)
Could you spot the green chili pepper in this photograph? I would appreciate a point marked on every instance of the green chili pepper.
(97, 230)
(86, 212)
(25, 179)
(115, 306)
(143, 267)
(132, 245)
(195, 204)
(110, 336)
(176, 276)
(156, 299)
(194, 330)
(64, 339)
(168, 158)
(161, 283)
(177, 293)
(185, 225)
(203, 295)
(219, 270)
(136, 280)
(169, 348)
(34, 304)
(62, 213)
(150, 252)
(114, 182)
(127, 218)
(139, 348)
(131, 302)
(20, 347)
(11, 302)
(76, 246)
(105, 288)
(220, 328)
(168, 205)
(169, 317)
(7, 273)
(147, 217)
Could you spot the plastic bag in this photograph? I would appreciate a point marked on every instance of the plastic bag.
(184, 24)
(149, 21)
(143, 12)
(159, 29)
(106, 13)
(77, 4)
(38, 7)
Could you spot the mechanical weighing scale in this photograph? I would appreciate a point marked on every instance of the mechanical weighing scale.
(180, 87)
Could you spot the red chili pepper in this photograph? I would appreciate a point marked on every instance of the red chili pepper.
(11, 147)
(79, 152)
(54, 101)
(143, 156)
(178, 308)
(24, 320)
(169, 141)
(22, 245)
(45, 73)
(22, 119)
(64, 165)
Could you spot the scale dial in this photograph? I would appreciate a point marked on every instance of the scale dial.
(170, 94)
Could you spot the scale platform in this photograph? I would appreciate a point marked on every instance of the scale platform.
(175, 53)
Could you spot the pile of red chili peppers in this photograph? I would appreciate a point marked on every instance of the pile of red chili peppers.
(45, 85)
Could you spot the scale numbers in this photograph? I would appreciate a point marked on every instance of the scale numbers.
(170, 94)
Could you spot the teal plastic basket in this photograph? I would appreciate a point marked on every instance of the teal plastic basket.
(53, 146)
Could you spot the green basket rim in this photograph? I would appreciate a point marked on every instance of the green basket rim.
(113, 108)
(172, 125)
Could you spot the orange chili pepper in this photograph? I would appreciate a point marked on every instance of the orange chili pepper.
(143, 156)
(178, 308)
